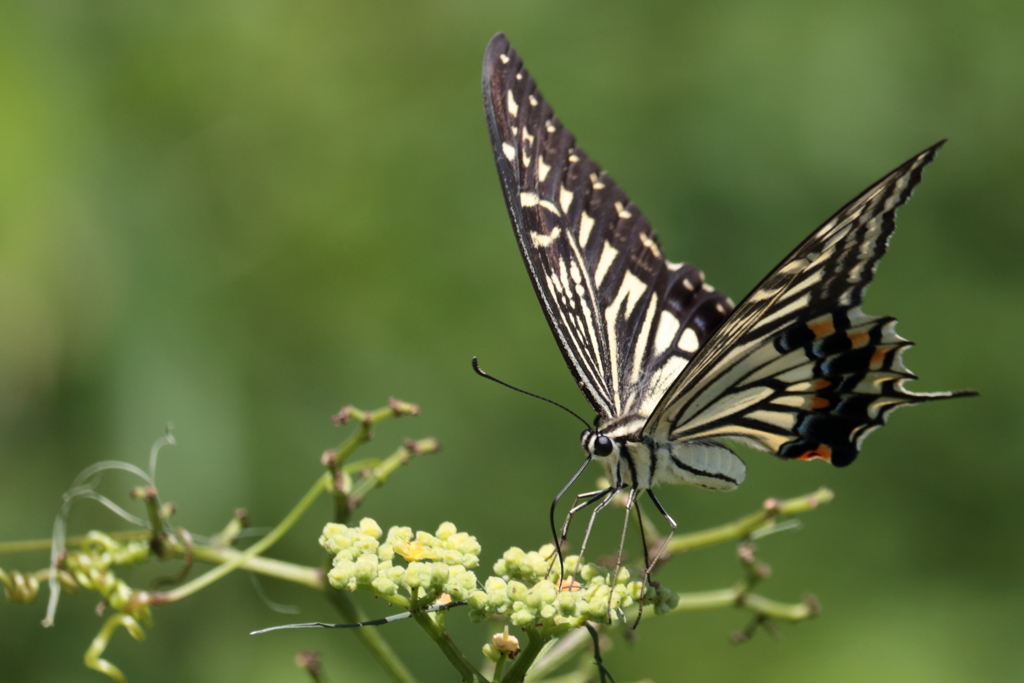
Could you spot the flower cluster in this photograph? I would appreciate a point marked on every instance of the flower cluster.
(435, 563)
(525, 591)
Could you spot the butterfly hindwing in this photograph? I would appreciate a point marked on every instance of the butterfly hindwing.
(626, 320)
(799, 369)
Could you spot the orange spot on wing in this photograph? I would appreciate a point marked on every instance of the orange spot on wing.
(878, 358)
(821, 327)
(820, 452)
(817, 403)
(860, 340)
(820, 384)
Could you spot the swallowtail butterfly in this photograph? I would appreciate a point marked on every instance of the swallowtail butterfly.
(668, 363)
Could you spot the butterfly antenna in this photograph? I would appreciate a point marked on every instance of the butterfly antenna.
(476, 368)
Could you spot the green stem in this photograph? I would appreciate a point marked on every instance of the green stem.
(691, 602)
(371, 637)
(322, 484)
(152, 503)
(342, 506)
(93, 656)
(39, 544)
(739, 597)
(499, 666)
(366, 421)
(466, 670)
(566, 648)
(379, 475)
(311, 577)
(745, 525)
(778, 610)
(524, 660)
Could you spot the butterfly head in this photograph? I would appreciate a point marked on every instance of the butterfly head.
(597, 444)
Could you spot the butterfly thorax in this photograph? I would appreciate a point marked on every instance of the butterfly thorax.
(635, 461)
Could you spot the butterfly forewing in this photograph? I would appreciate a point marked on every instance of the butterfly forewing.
(626, 320)
(798, 369)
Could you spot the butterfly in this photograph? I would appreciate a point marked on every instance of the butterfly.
(670, 366)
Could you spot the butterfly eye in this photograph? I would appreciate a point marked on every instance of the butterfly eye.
(602, 446)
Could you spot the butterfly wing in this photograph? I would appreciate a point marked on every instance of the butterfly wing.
(799, 369)
(626, 320)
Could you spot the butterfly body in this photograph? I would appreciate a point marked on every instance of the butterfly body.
(672, 368)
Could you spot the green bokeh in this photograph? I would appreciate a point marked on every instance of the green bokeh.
(238, 216)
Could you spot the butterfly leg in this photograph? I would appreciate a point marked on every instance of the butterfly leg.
(551, 515)
(560, 539)
(672, 530)
(609, 495)
(631, 499)
(648, 561)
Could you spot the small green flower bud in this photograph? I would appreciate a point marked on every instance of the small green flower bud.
(414, 575)
(366, 569)
(522, 618)
(450, 556)
(493, 584)
(478, 600)
(461, 585)
(665, 600)
(516, 590)
(384, 586)
(546, 591)
(343, 574)
(438, 576)
(514, 557)
(370, 527)
(365, 544)
(399, 533)
(446, 531)
(492, 653)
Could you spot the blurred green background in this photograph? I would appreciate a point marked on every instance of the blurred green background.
(239, 216)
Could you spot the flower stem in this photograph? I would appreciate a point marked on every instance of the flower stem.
(466, 670)
(371, 637)
(524, 660)
(745, 525)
